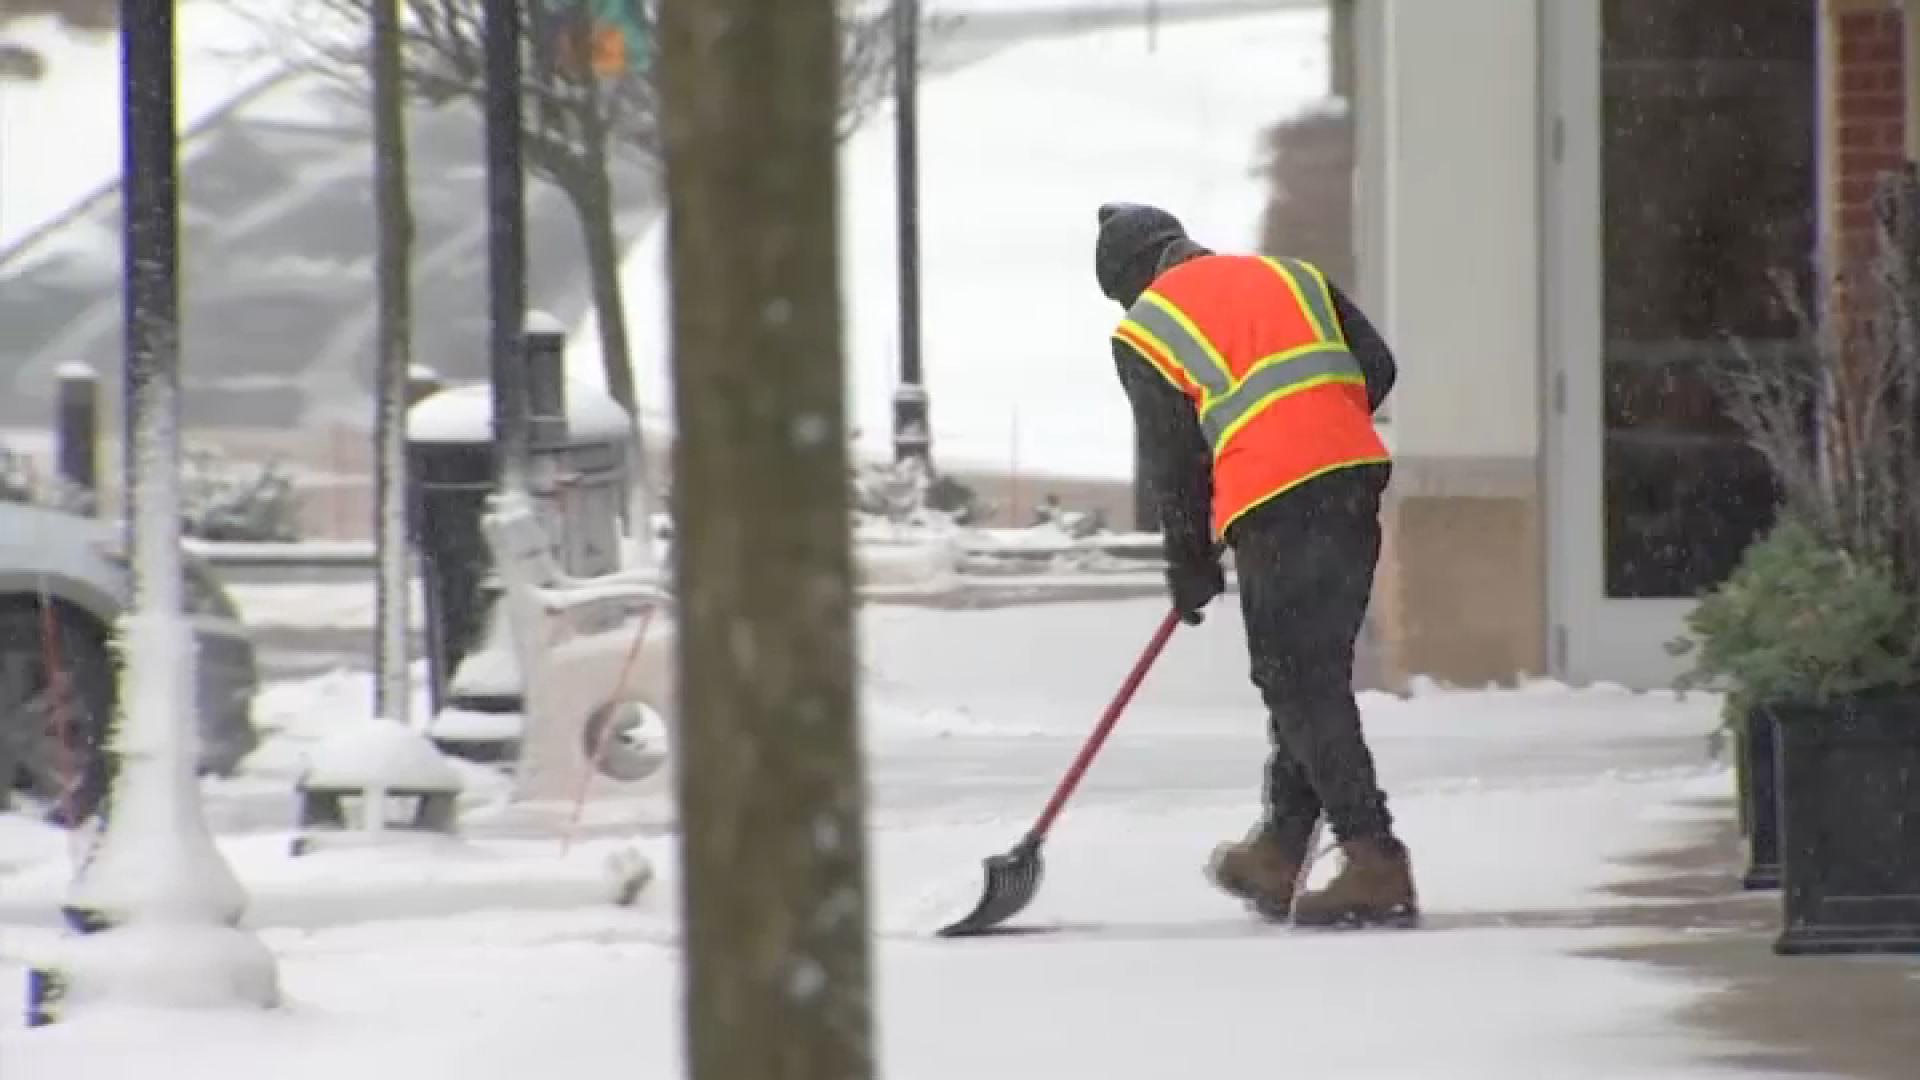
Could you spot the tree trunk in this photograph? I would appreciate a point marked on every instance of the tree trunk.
(594, 203)
(392, 688)
(772, 795)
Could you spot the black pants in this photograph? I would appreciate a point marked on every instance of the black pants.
(1305, 563)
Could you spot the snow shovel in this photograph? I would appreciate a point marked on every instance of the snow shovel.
(1014, 878)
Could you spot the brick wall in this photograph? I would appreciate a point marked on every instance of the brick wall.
(1866, 116)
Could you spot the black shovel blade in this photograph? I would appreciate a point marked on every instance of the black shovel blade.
(1012, 881)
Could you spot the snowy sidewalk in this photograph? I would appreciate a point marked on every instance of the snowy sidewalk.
(1150, 973)
(1522, 808)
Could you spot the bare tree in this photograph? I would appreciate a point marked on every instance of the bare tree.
(590, 99)
(772, 796)
(1307, 160)
(1835, 413)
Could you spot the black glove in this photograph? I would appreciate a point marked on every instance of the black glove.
(1194, 584)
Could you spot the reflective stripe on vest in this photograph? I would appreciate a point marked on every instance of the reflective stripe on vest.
(1309, 287)
(1225, 403)
(1183, 343)
(1273, 378)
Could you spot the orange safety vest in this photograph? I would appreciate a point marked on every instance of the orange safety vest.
(1256, 344)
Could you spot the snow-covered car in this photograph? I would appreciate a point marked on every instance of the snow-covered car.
(63, 584)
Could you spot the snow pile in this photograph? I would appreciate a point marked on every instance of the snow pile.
(1015, 329)
(375, 754)
(48, 166)
(1053, 548)
(430, 877)
(455, 724)
(927, 558)
(1547, 708)
(156, 860)
(299, 720)
(167, 965)
(1046, 669)
(295, 716)
(464, 415)
(491, 668)
(170, 903)
(1048, 538)
(25, 840)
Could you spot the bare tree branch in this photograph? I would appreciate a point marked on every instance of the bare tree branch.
(1834, 413)
(573, 114)
(588, 90)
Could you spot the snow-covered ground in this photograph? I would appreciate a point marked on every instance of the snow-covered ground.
(1518, 805)
(1017, 152)
(1142, 8)
(60, 134)
(897, 560)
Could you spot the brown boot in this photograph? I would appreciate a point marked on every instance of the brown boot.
(1264, 868)
(1374, 888)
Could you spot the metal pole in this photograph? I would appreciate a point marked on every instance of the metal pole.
(151, 313)
(155, 860)
(912, 435)
(77, 424)
(1340, 45)
(506, 240)
(392, 691)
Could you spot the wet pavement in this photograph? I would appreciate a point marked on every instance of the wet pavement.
(1828, 1016)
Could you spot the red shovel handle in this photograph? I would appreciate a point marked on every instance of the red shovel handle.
(1098, 739)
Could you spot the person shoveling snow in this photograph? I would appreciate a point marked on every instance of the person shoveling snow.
(1254, 382)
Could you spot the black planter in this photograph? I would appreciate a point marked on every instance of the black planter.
(1849, 815)
(1760, 799)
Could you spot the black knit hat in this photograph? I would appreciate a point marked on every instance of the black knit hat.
(1133, 238)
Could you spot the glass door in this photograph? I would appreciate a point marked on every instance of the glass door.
(1681, 193)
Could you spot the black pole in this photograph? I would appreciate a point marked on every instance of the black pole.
(506, 241)
(912, 435)
(1340, 42)
(393, 691)
(151, 257)
(156, 831)
(77, 424)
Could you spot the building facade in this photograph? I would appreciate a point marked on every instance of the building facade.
(1565, 208)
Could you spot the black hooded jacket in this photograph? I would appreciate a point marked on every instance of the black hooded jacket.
(1137, 243)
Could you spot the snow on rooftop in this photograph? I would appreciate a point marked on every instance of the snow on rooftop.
(1018, 151)
(60, 133)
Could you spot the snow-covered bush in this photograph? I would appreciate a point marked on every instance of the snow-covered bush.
(893, 491)
(908, 493)
(957, 500)
(19, 478)
(220, 498)
(1077, 524)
